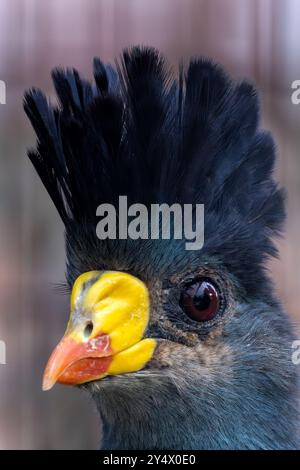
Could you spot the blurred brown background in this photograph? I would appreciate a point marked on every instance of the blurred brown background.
(257, 39)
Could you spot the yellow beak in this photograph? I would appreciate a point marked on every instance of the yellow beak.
(104, 336)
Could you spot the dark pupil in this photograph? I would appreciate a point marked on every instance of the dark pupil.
(201, 297)
(200, 301)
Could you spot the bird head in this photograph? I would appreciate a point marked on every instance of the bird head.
(179, 348)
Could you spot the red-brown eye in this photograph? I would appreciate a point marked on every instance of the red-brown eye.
(200, 300)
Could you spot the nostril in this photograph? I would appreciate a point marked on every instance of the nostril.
(88, 329)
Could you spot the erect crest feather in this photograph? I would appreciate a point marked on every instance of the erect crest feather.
(140, 132)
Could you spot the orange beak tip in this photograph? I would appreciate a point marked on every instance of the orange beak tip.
(47, 384)
(73, 363)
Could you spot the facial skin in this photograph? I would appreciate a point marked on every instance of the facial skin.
(207, 384)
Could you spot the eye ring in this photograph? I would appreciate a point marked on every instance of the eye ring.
(200, 300)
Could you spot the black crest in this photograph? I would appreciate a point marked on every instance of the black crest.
(140, 132)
